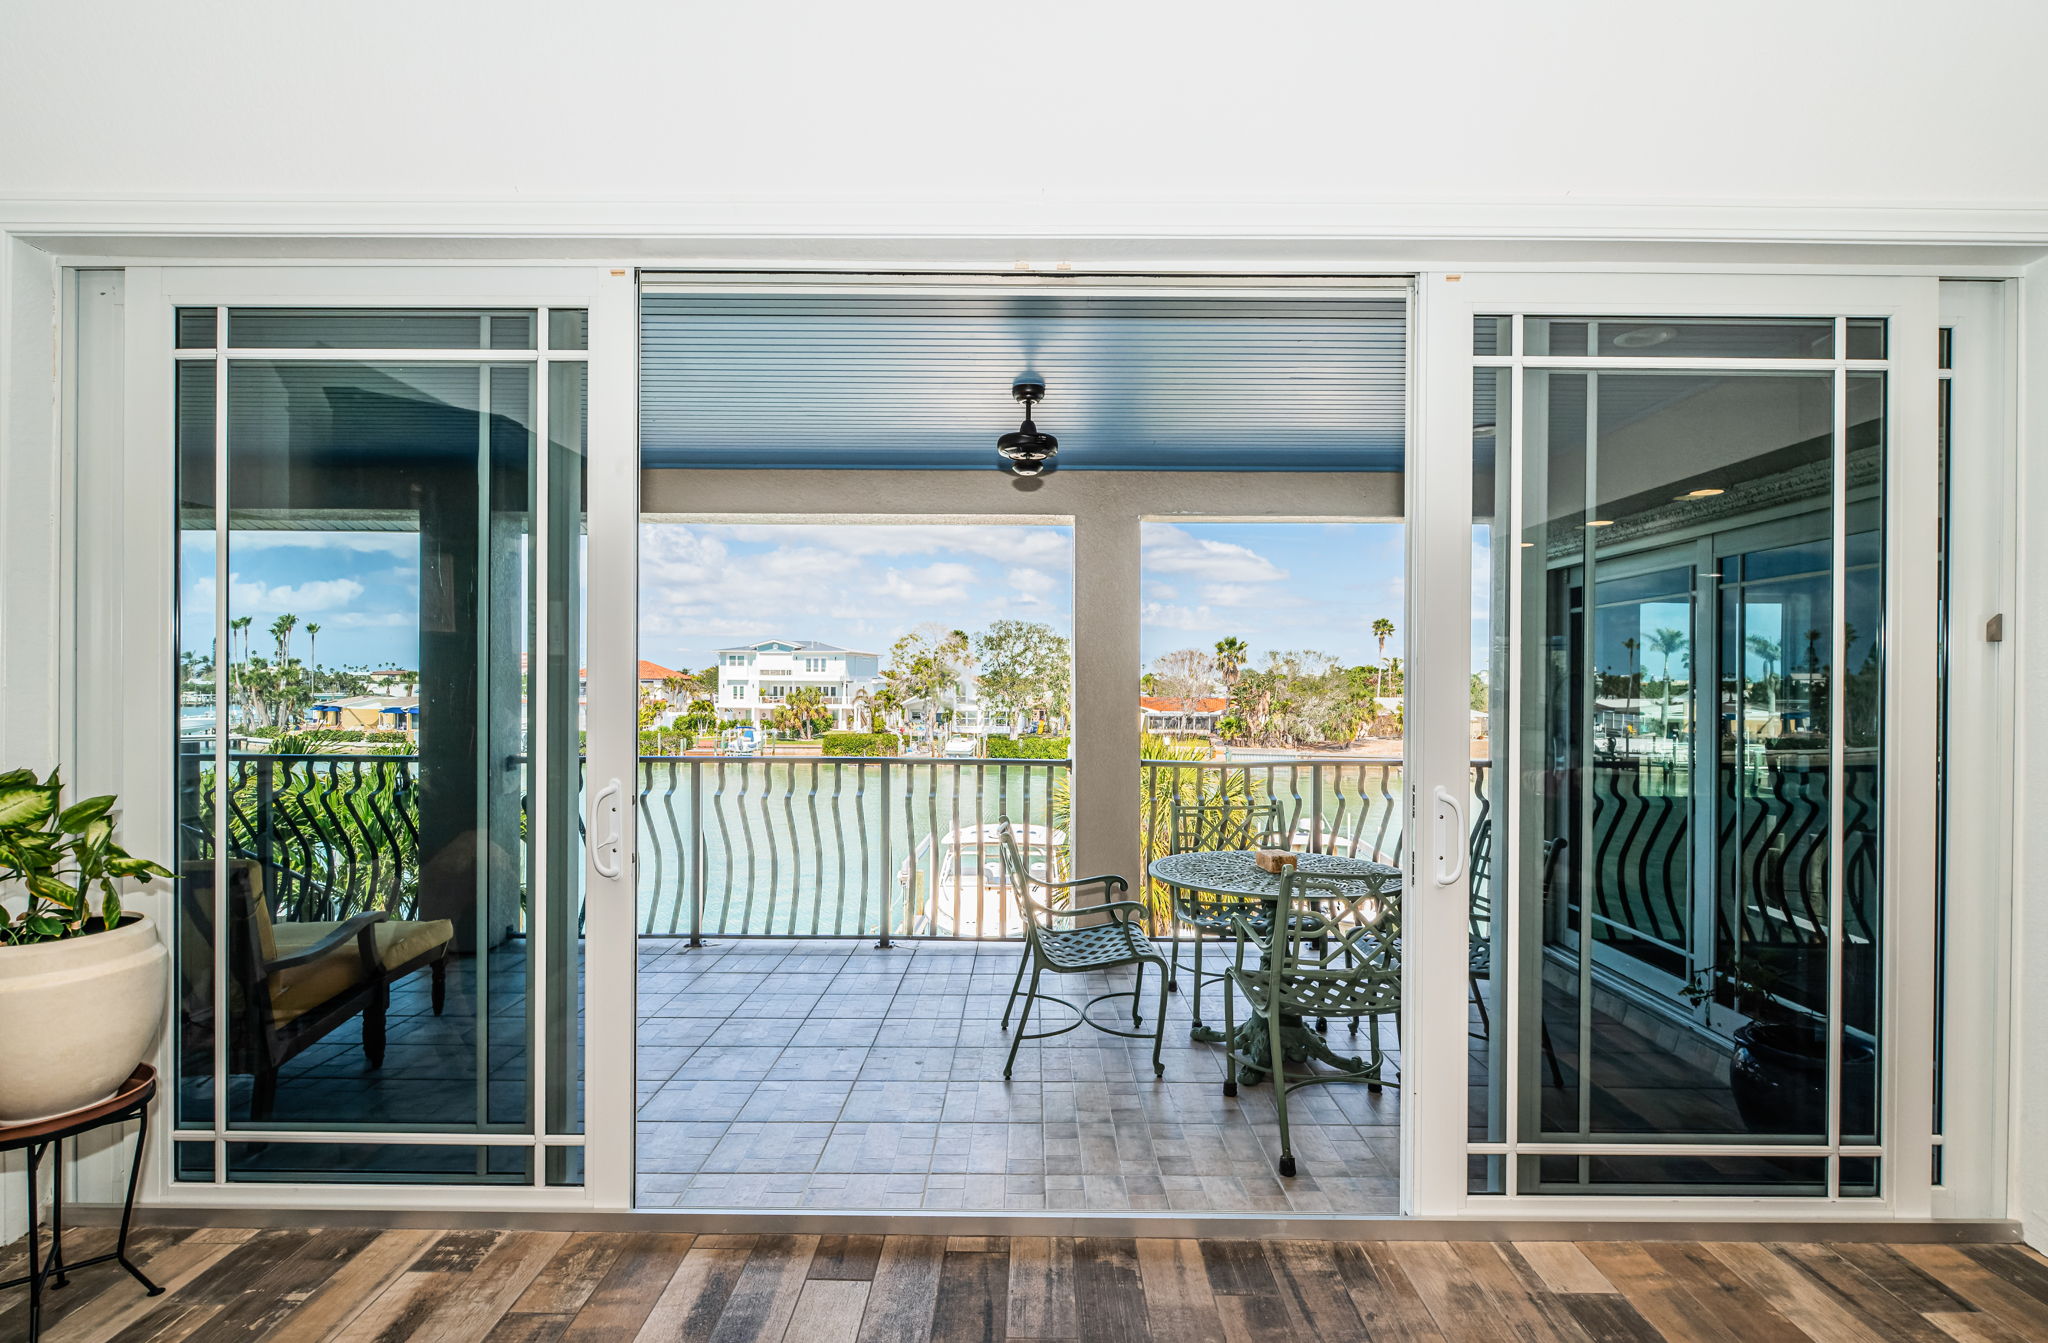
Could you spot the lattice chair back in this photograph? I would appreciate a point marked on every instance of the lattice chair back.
(1025, 888)
(1226, 823)
(1218, 826)
(1337, 953)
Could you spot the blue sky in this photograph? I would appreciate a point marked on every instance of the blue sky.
(1277, 586)
(706, 586)
(361, 588)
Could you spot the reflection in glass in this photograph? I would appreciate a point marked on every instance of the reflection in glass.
(379, 848)
(1679, 668)
(197, 731)
(1698, 337)
(379, 329)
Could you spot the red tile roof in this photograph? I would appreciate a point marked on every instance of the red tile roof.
(1159, 705)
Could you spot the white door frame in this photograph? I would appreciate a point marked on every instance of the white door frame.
(1436, 1125)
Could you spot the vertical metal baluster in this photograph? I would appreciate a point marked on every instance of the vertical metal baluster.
(697, 853)
(728, 865)
(931, 807)
(981, 849)
(839, 927)
(817, 849)
(888, 872)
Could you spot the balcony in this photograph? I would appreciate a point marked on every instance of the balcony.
(825, 959)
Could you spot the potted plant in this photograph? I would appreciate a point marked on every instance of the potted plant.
(1779, 1071)
(81, 980)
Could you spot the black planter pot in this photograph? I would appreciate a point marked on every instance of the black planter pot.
(1779, 1076)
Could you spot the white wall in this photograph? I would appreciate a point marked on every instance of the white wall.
(1062, 113)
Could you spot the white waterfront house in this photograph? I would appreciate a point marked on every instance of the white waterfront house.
(754, 678)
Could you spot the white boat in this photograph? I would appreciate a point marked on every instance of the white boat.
(739, 741)
(966, 892)
(1333, 843)
(961, 747)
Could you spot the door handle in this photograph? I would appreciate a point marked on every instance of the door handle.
(1450, 847)
(607, 831)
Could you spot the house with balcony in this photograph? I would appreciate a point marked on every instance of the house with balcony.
(753, 679)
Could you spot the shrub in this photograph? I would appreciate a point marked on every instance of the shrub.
(1027, 748)
(862, 743)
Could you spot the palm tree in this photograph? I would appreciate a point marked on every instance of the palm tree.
(1666, 644)
(1382, 630)
(313, 644)
(281, 630)
(1767, 652)
(1230, 656)
(239, 625)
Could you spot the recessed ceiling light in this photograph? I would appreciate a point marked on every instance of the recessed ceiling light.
(1642, 337)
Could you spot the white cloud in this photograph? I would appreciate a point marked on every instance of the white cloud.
(1173, 550)
(1032, 544)
(1160, 615)
(1036, 582)
(933, 585)
(1165, 592)
(251, 597)
(1238, 595)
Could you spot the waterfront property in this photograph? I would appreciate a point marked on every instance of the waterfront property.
(755, 678)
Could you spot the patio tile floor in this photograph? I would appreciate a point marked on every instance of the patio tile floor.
(832, 1074)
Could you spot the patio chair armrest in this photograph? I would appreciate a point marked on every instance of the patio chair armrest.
(1114, 906)
(358, 930)
(1114, 883)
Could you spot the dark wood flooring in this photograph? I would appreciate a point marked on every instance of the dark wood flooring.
(298, 1286)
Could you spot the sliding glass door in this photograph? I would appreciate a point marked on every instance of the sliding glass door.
(379, 564)
(1706, 639)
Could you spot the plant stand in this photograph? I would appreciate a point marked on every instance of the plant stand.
(40, 1138)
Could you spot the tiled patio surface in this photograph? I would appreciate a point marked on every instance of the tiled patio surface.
(831, 1074)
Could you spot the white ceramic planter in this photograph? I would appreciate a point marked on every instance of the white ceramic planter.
(76, 1016)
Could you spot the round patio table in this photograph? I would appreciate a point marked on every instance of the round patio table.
(1235, 873)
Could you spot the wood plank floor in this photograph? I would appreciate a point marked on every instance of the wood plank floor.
(356, 1286)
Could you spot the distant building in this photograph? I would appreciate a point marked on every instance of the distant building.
(755, 678)
(1171, 717)
(400, 713)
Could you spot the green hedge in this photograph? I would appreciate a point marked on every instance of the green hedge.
(861, 743)
(1027, 748)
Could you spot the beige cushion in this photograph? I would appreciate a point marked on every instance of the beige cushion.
(306, 988)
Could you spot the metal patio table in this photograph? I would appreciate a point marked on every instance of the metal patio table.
(1235, 873)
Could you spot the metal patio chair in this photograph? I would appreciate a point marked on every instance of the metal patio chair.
(1053, 942)
(1327, 950)
(1207, 827)
(1481, 933)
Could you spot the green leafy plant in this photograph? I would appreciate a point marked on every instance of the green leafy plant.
(1750, 982)
(58, 855)
(861, 743)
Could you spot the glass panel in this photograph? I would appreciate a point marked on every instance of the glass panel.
(195, 744)
(1862, 759)
(379, 329)
(1867, 338)
(1492, 391)
(376, 1163)
(568, 329)
(1729, 1176)
(194, 1161)
(378, 843)
(1490, 335)
(1693, 337)
(563, 645)
(195, 328)
(1676, 933)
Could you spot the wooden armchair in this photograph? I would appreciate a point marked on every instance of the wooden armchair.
(291, 983)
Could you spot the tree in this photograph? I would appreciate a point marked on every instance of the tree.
(1667, 644)
(1767, 652)
(1382, 630)
(801, 710)
(926, 665)
(1186, 675)
(1230, 656)
(313, 644)
(281, 630)
(1024, 665)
